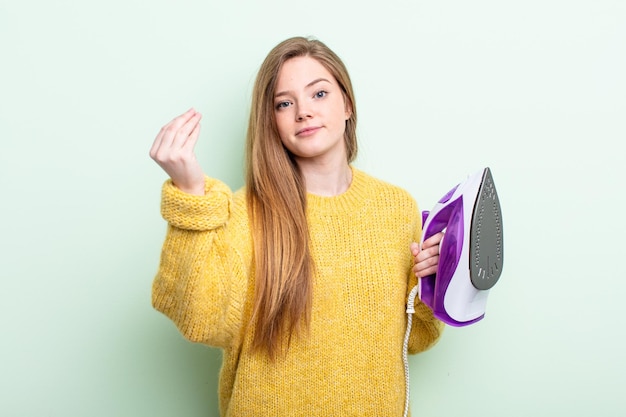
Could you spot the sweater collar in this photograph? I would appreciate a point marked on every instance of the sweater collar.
(349, 201)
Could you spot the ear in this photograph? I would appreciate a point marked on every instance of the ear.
(348, 109)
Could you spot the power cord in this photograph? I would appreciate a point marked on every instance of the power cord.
(410, 310)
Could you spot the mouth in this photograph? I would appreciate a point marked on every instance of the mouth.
(307, 131)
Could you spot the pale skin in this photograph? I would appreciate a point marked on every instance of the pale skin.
(310, 113)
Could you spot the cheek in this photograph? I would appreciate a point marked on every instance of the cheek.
(283, 129)
(281, 123)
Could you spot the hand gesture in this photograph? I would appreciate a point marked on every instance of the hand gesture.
(173, 150)
(427, 259)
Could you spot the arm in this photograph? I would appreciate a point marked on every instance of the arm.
(202, 276)
(426, 329)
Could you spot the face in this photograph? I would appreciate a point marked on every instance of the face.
(310, 110)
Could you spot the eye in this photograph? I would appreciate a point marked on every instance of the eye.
(321, 94)
(282, 105)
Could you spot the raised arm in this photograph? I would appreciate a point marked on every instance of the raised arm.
(203, 273)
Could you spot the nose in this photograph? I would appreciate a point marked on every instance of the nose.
(304, 112)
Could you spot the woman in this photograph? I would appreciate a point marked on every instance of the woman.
(301, 277)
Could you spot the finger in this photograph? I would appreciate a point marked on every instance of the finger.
(192, 139)
(432, 241)
(430, 247)
(423, 254)
(415, 248)
(158, 140)
(183, 118)
(168, 131)
(183, 132)
(425, 272)
(428, 257)
(426, 267)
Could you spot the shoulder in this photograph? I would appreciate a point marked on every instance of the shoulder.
(240, 204)
(391, 206)
(382, 190)
(239, 196)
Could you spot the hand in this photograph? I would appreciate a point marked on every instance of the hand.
(426, 259)
(173, 150)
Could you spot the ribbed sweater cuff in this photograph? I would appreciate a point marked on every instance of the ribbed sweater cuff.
(193, 212)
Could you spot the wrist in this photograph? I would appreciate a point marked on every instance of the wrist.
(196, 188)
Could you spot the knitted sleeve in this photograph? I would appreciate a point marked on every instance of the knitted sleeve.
(201, 281)
(426, 329)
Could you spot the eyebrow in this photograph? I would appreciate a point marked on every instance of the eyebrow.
(315, 81)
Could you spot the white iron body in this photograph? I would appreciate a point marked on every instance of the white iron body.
(470, 261)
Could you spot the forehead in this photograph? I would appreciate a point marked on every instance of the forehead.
(298, 72)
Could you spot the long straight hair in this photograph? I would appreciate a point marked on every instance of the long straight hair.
(277, 203)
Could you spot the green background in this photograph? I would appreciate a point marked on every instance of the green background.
(535, 89)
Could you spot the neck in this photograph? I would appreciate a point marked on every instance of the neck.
(327, 180)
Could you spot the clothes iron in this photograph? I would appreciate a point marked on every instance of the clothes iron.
(470, 257)
(470, 254)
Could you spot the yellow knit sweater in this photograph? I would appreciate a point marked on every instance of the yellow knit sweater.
(350, 362)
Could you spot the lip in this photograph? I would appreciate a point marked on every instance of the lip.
(307, 131)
